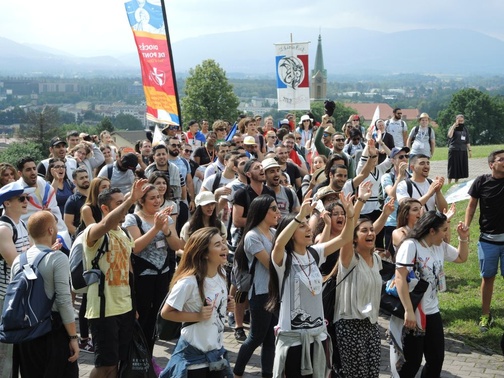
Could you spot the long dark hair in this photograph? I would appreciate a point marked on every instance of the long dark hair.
(403, 211)
(430, 220)
(273, 303)
(158, 174)
(196, 221)
(329, 208)
(256, 213)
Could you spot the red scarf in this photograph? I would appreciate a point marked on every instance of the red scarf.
(295, 157)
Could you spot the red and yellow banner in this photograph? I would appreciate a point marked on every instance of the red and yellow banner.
(150, 31)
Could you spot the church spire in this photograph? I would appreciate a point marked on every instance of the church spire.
(319, 75)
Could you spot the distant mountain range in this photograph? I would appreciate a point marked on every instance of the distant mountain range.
(251, 54)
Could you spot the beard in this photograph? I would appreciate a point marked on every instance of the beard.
(174, 153)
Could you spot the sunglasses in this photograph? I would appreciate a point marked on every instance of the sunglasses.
(403, 157)
(23, 198)
(272, 137)
(188, 151)
(274, 208)
(325, 135)
(173, 127)
(173, 145)
(220, 129)
(298, 138)
(339, 139)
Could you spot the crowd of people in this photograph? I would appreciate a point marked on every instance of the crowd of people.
(294, 204)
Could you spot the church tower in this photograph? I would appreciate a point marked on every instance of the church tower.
(319, 75)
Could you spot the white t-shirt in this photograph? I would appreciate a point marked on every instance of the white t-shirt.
(301, 307)
(208, 182)
(430, 263)
(418, 190)
(396, 128)
(421, 144)
(206, 335)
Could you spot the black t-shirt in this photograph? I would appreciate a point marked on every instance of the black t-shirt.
(490, 193)
(293, 171)
(73, 206)
(243, 200)
(202, 153)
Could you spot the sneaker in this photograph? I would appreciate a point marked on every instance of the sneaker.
(86, 345)
(240, 335)
(486, 322)
(231, 320)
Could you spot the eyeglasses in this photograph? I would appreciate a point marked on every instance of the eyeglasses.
(339, 139)
(23, 198)
(173, 145)
(188, 151)
(274, 208)
(298, 138)
(401, 157)
(59, 167)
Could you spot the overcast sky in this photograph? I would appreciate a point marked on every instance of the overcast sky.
(93, 27)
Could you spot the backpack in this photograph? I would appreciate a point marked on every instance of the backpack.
(79, 278)
(110, 170)
(244, 278)
(26, 313)
(217, 181)
(415, 132)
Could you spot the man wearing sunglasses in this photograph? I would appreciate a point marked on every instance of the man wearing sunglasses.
(13, 241)
(174, 148)
(389, 182)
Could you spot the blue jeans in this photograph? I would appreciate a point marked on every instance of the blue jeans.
(489, 255)
(262, 325)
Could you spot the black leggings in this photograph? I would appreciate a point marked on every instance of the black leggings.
(431, 346)
(150, 293)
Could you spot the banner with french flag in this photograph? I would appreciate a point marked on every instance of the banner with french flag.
(150, 30)
(292, 76)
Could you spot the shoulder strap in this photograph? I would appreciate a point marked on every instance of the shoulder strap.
(314, 254)
(217, 181)
(415, 132)
(139, 223)
(290, 197)
(430, 132)
(409, 187)
(6, 219)
(110, 169)
(403, 124)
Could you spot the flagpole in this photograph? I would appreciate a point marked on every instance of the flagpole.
(168, 40)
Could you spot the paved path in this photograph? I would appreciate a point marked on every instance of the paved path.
(460, 360)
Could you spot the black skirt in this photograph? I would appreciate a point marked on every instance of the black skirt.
(458, 164)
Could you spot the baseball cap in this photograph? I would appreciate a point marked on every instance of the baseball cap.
(205, 198)
(57, 140)
(396, 150)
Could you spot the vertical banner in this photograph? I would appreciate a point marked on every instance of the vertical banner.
(150, 31)
(293, 86)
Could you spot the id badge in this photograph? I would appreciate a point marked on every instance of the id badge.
(160, 244)
(441, 282)
(462, 138)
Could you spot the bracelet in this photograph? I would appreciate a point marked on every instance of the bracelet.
(167, 236)
(463, 240)
(73, 337)
(297, 220)
(360, 199)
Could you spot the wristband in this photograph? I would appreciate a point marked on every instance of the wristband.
(168, 235)
(297, 220)
(463, 240)
(73, 337)
(360, 199)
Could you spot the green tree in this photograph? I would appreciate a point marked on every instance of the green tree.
(40, 126)
(209, 95)
(127, 122)
(483, 115)
(105, 124)
(16, 151)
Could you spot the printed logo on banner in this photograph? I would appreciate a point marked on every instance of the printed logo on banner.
(291, 71)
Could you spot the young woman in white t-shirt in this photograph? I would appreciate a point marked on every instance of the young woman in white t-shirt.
(296, 287)
(198, 295)
(425, 248)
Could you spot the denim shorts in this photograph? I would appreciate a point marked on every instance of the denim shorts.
(489, 255)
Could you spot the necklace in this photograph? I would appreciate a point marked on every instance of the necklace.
(309, 271)
(210, 156)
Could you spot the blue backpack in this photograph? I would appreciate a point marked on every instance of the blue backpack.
(26, 313)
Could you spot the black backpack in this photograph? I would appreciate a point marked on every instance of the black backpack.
(415, 132)
(409, 188)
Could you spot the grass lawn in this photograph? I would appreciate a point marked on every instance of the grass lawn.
(441, 153)
(461, 303)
